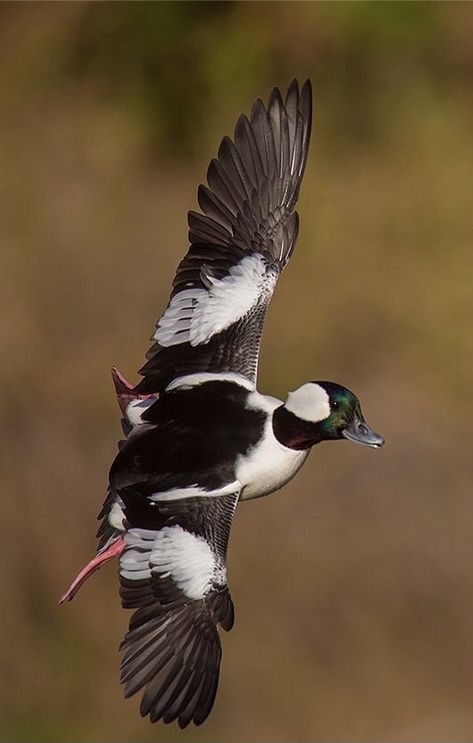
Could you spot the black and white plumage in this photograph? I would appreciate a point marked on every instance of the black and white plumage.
(174, 573)
(199, 437)
(239, 246)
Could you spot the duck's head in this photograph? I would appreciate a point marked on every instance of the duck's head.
(322, 411)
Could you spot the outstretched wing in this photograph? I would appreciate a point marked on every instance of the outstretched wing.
(174, 573)
(239, 246)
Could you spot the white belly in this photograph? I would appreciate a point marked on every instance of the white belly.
(269, 465)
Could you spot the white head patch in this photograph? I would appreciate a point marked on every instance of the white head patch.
(309, 403)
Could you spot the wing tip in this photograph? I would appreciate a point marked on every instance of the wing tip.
(175, 665)
(270, 141)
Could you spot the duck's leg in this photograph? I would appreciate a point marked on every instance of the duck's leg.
(125, 391)
(113, 550)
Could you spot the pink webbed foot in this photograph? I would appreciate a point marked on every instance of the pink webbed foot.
(125, 391)
(114, 549)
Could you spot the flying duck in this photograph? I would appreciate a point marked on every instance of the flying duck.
(199, 437)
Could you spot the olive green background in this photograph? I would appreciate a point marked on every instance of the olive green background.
(353, 586)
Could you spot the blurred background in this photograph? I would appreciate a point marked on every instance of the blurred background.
(353, 586)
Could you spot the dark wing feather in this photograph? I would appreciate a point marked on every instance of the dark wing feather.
(172, 648)
(106, 532)
(247, 211)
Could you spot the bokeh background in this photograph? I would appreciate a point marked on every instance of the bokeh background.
(353, 586)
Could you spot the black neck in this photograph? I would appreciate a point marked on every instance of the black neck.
(294, 432)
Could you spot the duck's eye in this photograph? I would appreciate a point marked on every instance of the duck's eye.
(335, 404)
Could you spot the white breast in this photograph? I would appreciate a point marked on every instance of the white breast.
(269, 465)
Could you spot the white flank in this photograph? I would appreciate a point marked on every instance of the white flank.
(191, 380)
(269, 465)
(195, 315)
(309, 403)
(194, 491)
(116, 515)
(136, 408)
(187, 559)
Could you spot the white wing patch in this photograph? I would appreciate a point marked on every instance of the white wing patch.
(186, 558)
(134, 562)
(195, 315)
(172, 552)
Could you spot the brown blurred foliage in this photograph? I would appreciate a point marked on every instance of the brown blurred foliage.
(353, 586)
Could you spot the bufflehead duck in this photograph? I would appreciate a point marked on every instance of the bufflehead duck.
(199, 436)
